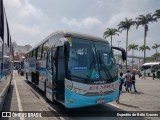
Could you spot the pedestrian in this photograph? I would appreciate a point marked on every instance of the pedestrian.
(154, 75)
(127, 80)
(133, 80)
(144, 74)
(139, 74)
(121, 81)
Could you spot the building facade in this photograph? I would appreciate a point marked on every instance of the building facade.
(19, 51)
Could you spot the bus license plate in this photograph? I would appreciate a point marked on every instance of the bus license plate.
(100, 100)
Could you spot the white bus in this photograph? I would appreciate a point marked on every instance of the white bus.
(150, 67)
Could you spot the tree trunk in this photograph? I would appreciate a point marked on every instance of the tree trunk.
(156, 54)
(126, 47)
(111, 40)
(145, 34)
(132, 58)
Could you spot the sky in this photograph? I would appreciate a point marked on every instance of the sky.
(30, 21)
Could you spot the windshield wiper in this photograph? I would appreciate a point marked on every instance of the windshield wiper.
(79, 77)
(89, 72)
(105, 67)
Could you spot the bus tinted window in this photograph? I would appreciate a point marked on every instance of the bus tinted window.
(45, 48)
(146, 67)
(90, 60)
(39, 52)
(49, 64)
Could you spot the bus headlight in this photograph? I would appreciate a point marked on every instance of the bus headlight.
(79, 91)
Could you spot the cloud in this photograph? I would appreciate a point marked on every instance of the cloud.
(28, 30)
(32, 20)
(88, 22)
(115, 19)
(13, 4)
(24, 10)
(28, 10)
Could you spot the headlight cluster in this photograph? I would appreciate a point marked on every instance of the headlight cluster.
(79, 91)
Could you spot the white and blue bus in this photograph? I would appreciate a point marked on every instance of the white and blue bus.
(150, 67)
(74, 69)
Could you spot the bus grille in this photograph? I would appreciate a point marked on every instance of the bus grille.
(98, 93)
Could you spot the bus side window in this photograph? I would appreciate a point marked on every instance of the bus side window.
(45, 48)
(39, 52)
(49, 65)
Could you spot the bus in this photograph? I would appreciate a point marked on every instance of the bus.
(6, 56)
(150, 67)
(74, 69)
(19, 65)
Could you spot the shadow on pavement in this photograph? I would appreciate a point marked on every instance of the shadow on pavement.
(137, 93)
(8, 101)
(128, 105)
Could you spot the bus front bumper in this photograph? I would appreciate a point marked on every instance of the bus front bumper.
(74, 100)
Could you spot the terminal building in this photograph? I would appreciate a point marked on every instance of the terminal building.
(19, 51)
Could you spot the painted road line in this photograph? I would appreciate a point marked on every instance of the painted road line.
(18, 100)
(113, 105)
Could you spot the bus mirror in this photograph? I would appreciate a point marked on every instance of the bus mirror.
(124, 57)
(66, 48)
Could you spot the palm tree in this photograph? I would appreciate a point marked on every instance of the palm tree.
(132, 47)
(156, 46)
(125, 25)
(157, 13)
(143, 48)
(110, 32)
(144, 20)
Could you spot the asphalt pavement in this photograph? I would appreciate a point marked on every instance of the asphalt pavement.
(24, 97)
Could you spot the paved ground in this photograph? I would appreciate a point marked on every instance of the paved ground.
(24, 97)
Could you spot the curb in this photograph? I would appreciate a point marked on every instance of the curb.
(3, 94)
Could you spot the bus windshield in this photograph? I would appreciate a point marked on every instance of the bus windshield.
(144, 67)
(91, 61)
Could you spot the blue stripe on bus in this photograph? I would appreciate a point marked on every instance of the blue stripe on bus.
(41, 69)
(81, 101)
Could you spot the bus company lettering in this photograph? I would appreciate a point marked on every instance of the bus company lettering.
(101, 87)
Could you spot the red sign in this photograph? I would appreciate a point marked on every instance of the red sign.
(100, 100)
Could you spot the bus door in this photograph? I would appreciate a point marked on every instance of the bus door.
(59, 81)
(49, 76)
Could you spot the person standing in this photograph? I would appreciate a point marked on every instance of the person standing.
(144, 74)
(127, 80)
(154, 75)
(121, 81)
(133, 82)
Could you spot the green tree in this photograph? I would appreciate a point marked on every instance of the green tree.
(157, 14)
(125, 25)
(156, 46)
(132, 47)
(144, 20)
(144, 48)
(110, 32)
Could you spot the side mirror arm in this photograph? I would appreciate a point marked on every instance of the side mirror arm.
(124, 56)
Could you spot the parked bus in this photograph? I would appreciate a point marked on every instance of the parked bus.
(74, 69)
(150, 67)
(6, 56)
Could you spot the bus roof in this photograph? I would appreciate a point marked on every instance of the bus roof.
(151, 63)
(72, 34)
